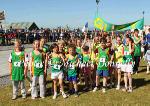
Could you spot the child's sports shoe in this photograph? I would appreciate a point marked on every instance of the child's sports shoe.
(43, 97)
(64, 95)
(118, 87)
(33, 98)
(76, 94)
(24, 96)
(55, 96)
(147, 72)
(103, 90)
(14, 97)
(95, 89)
(124, 89)
(130, 90)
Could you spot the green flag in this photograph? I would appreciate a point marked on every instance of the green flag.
(139, 24)
(100, 24)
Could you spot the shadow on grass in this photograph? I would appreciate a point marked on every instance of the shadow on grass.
(143, 70)
(140, 82)
(142, 66)
(48, 91)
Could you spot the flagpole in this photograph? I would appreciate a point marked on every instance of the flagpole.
(97, 2)
(97, 6)
(97, 10)
(143, 13)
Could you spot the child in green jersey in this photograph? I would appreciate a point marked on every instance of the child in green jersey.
(118, 49)
(18, 69)
(38, 69)
(61, 46)
(72, 61)
(102, 65)
(127, 66)
(94, 50)
(137, 50)
(56, 61)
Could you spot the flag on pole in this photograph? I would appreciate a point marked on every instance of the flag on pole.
(2, 15)
(85, 28)
(97, 1)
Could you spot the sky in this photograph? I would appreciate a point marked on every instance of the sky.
(74, 13)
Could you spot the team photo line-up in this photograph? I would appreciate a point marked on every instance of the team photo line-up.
(76, 61)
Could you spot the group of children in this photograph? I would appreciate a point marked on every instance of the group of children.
(77, 61)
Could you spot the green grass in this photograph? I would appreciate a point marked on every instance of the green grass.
(139, 97)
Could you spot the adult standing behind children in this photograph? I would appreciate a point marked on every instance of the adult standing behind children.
(137, 50)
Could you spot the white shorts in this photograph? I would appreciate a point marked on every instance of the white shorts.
(57, 75)
(127, 68)
(118, 65)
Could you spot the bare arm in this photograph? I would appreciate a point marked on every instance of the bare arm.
(92, 45)
(10, 65)
(25, 70)
(62, 57)
(26, 65)
(30, 65)
(85, 38)
(10, 68)
(112, 54)
(131, 48)
(46, 63)
(112, 58)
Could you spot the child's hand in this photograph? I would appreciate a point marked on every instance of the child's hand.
(31, 76)
(25, 75)
(110, 61)
(92, 66)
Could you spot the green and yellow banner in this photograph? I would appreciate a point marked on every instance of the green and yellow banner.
(101, 24)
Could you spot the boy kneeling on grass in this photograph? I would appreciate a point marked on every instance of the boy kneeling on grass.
(18, 69)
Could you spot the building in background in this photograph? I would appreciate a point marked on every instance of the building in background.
(21, 25)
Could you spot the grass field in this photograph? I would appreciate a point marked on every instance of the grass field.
(139, 97)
